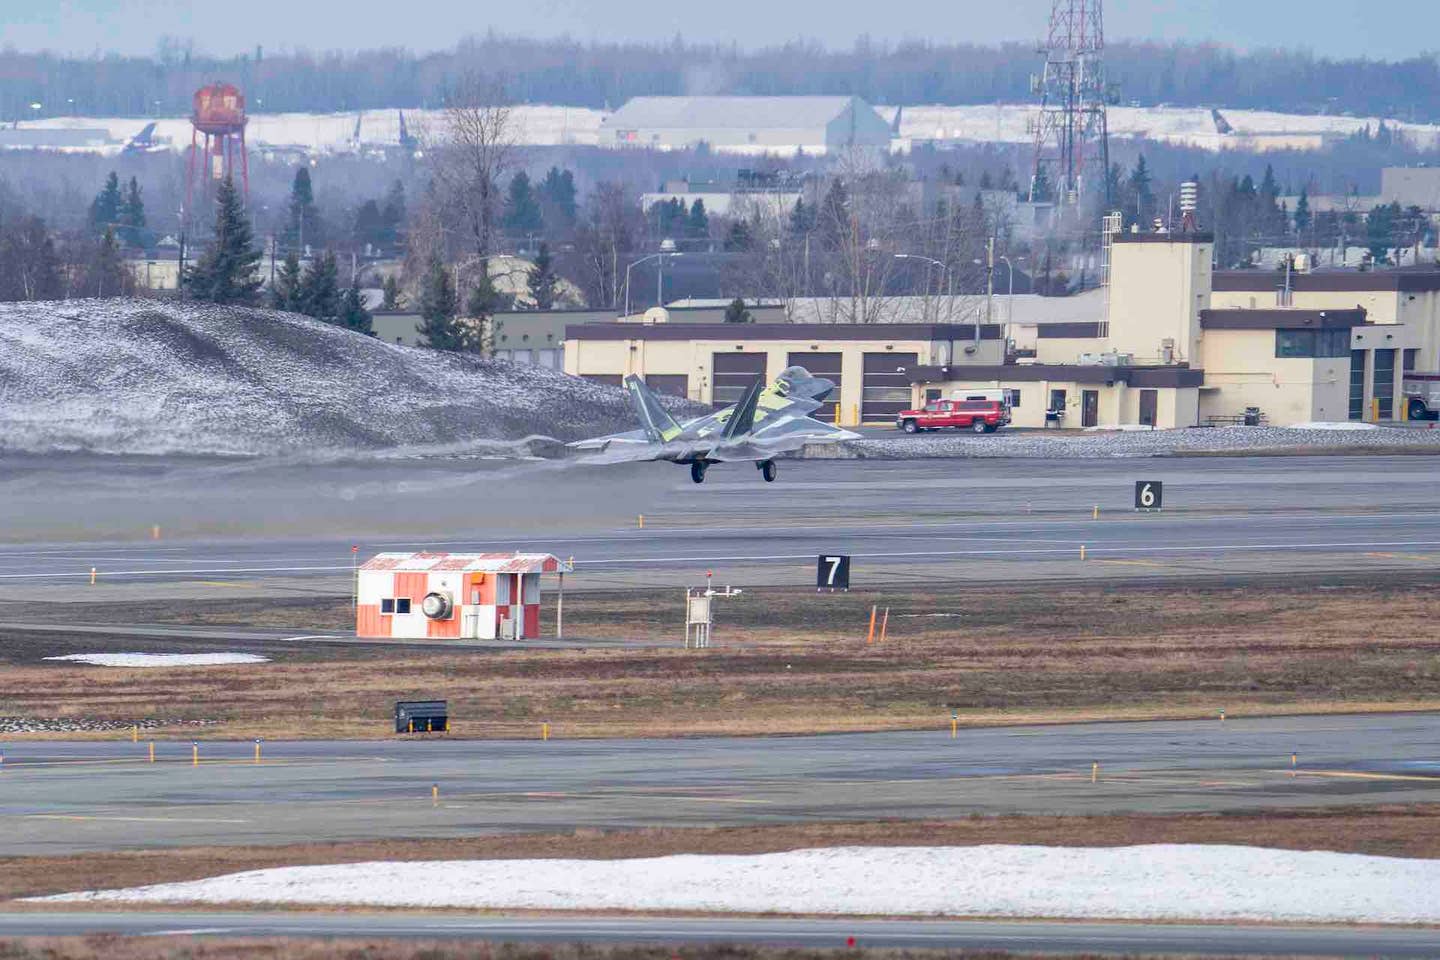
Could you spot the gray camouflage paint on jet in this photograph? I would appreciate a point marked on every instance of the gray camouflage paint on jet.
(767, 422)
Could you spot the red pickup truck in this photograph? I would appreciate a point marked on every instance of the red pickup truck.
(981, 416)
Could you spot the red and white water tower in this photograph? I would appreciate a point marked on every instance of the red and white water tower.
(218, 117)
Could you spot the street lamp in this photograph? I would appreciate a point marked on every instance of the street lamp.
(944, 269)
(1010, 296)
(659, 294)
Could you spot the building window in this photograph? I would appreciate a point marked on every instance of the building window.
(387, 606)
(402, 604)
(1012, 398)
(1310, 344)
(1411, 357)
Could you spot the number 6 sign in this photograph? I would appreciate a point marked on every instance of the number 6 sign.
(1148, 494)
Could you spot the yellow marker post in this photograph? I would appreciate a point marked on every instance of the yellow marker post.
(135, 733)
(954, 726)
(1095, 772)
(885, 625)
(257, 749)
(1095, 515)
(641, 518)
(435, 794)
(544, 731)
(1082, 551)
(152, 751)
(410, 727)
(92, 576)
(195, 754)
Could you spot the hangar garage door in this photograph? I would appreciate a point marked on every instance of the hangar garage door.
(733, 372)
(886, 389)
(672, 384)
(825, 365)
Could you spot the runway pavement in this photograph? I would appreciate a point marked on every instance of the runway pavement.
(942, 519)
(67, 797)
(1012, 936)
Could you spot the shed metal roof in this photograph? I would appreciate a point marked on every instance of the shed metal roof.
(424, 562)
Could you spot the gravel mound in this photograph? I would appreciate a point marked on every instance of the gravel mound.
(87, 725)
(1157, 443)
(160, 377)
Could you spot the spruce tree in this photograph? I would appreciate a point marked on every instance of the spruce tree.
(227, 272)
(480, 308)
(285, 293)
(522, 213)
(557, 192)
(105, 274)
(738, 239)
(1302, 212)
(543, 280)
(319, 294)
(392, 298)
(699, 225)
(304, 226)
(802, 218)
(353, 315)
(735, 312)
(438, 326)
(132, 215)
(105, 208)
(393, 214)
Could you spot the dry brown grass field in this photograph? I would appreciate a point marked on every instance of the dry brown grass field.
(789, 661)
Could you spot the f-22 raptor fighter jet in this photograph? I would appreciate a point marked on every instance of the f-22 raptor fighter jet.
(767, 421)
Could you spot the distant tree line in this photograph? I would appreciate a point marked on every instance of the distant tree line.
(600, 74)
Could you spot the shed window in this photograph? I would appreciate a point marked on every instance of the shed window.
(387, 606)
(402, 605)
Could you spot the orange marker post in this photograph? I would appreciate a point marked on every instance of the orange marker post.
(870, 637)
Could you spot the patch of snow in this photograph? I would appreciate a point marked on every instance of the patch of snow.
(1159, 882)
(1333, 425)
(162, 659)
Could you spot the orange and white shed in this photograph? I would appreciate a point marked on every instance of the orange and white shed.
(472, 596)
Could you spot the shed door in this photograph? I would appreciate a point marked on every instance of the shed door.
(732, 373)
(1149, 400)
(825, 365)
(671, 384)
(885, 390)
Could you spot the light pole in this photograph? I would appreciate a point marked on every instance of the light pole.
(944, 269)
(1010, 299)
(662, 254)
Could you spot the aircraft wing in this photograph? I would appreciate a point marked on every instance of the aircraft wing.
(780, 434)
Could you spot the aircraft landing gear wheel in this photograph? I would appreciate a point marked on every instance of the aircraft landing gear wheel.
(769, 471)
(697, 472)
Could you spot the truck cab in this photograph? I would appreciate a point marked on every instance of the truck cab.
(978, 416)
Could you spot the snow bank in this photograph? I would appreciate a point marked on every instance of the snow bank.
(156, 377)
(1333, 425)
(162, 659)
(1147, 882)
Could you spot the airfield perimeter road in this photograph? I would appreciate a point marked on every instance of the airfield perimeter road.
(263, 527)
(68, 797)
(1020, 936)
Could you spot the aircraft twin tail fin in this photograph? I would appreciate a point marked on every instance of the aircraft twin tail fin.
(742, 418)
(659, 426)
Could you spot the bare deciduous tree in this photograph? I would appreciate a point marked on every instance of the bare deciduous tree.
(474, 150)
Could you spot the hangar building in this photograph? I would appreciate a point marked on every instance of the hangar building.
(746, 124)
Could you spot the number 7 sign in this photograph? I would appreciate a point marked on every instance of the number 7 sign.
(1148, 494)
(832, 572)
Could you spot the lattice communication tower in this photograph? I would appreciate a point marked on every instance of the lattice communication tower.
(1072, 150)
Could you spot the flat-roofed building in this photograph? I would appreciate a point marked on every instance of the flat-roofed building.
(746, 124)
(714, 363)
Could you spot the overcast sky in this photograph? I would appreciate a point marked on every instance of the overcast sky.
(1344, 28)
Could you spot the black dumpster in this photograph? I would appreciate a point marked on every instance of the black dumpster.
(421, 716)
